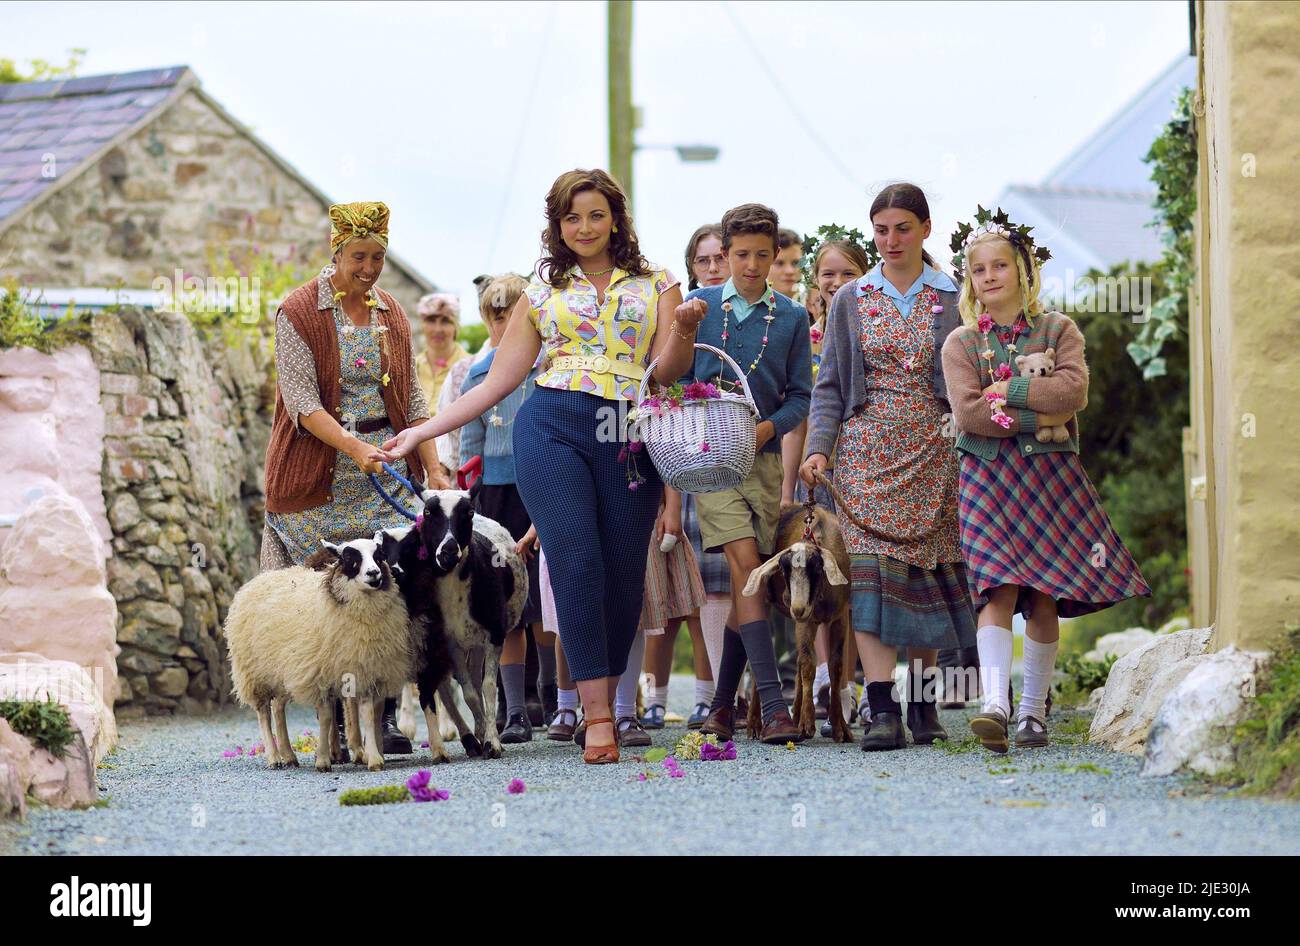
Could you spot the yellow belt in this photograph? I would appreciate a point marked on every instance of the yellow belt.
(598, 364)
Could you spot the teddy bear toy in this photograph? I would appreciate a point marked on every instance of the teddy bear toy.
(1041, 365)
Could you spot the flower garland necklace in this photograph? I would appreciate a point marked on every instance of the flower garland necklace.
(771, 314)
(372, 300)
(1001, 372)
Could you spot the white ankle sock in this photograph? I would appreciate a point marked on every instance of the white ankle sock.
(659, 696)
(568, 699)
(995, 666)
(821, 678)
(1040, 660)
(847, 700)
(703, 692)
(625, 692)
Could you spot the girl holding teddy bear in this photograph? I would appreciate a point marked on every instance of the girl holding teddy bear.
(1034, 536)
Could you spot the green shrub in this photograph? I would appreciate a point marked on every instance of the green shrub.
(46, 724)
(1082, 676)
(1268, 740)
(21, 327)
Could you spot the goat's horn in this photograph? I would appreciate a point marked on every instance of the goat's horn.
(758, 574)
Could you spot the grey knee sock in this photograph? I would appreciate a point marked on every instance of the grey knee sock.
(512, 681)
(730, 668)
(757, 636)
(545, 665)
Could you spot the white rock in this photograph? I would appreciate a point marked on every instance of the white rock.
(54, 540)
(1124, 716)
(1174, 625)
(1194, 725)
(1119, 643)
(53, 596)
(15, 772)
(1094, 698)
(33, 677)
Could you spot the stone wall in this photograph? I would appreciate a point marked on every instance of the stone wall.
(1246, 386)
(186, 422)
(164, 198)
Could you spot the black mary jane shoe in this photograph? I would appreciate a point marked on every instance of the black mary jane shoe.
(923, 722)
(886, 733)
(518, 728)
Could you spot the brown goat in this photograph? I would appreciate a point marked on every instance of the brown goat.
(807, 580)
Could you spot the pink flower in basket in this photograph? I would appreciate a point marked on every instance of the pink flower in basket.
(704, 447)
(1003, 372)
(699, 391)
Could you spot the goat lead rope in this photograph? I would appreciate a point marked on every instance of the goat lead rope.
(374, 481)
(840, 504)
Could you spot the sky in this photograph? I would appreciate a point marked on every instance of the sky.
(460, 115)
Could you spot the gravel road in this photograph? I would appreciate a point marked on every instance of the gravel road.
(171, 791)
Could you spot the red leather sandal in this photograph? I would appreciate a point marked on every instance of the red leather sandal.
(600, 755)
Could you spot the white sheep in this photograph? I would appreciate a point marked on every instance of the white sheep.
(307, 636)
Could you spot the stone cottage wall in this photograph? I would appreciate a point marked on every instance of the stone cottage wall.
(162, 199)
(186, 424)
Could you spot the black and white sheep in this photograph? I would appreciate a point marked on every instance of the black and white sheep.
(807, 581)
(460, 573)
(308, 636)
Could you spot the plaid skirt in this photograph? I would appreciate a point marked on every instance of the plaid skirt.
(712, 565)
(910, 606)
(1036, 521)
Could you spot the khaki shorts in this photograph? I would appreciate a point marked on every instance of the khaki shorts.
(750, 511)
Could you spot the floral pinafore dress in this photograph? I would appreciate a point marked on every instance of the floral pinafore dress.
(897, 472)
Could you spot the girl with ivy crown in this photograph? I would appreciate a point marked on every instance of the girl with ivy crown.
(1034, 536)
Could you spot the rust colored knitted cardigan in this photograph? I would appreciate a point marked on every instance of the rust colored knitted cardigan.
(299, 467)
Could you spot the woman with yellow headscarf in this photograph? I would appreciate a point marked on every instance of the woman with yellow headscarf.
(346, 382)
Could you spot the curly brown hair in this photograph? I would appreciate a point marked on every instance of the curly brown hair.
(558, 259)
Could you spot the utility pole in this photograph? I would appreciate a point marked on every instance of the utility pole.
(622, 116)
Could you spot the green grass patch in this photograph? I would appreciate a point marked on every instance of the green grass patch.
(1002, 770)
(969, 743)
(46, 724)
(381, 795)
(1268, 739)
(1072, 731)
(1081, 768)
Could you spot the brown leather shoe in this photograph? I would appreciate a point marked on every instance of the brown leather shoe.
(780, 729)
(721, 723)
(562, 725)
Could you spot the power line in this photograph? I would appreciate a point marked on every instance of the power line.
(792, 104)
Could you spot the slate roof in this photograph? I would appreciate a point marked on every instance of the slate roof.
(71, 120)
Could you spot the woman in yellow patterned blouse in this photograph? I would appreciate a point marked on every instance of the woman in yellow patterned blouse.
(603, 314)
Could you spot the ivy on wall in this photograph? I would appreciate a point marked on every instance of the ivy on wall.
(1173, 170)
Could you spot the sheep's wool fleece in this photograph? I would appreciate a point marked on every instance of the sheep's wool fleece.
(288, 636)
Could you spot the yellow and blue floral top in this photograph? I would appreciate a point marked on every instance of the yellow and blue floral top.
(572, 322)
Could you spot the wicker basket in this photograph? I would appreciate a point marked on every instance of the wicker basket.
(676, 440)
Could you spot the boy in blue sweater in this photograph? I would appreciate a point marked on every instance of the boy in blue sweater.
(767, 335)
